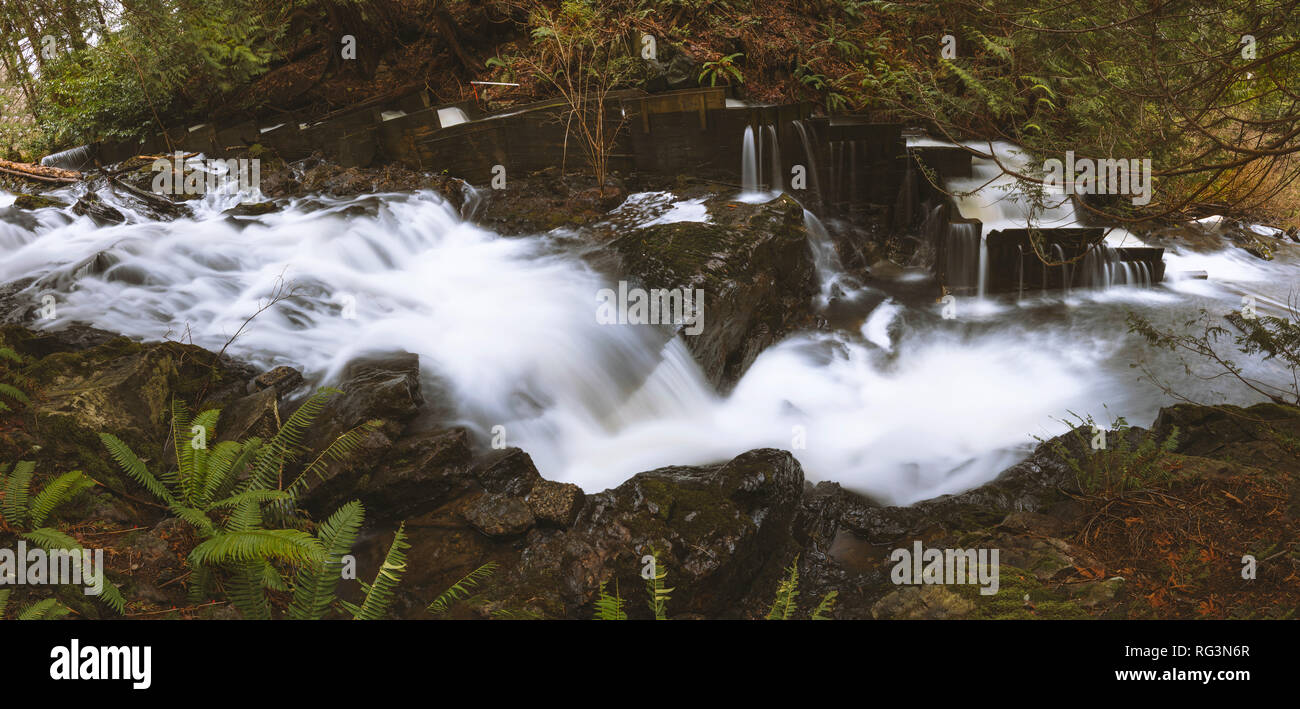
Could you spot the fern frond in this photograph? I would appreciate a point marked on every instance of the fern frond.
(131, 464)
(48, 609)
(218, 469)
(14, 393)
(271, 578)
(659, 594)
(246, 514)
(289, 437)
(826, 606)
(181, 436)
(461, 589)
(248, 592)
(786, 592)
(17, 486)
(609, 607)
(194, 479)
(314, 588)
(521, 614)
(51, 539)
(196, 518)
(55, 493)
(4, 601)
(341, 448)
(253, 496)
(290, 545)
(379, 595)
(112, 596)
(220, 485)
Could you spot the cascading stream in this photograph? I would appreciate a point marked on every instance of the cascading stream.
(902, 407)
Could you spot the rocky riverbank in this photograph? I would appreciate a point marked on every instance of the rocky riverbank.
(727, 532)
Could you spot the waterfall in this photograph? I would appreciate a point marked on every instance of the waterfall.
(830, 271)
(810, 154)
(1104, 267)
(774, 158)
(984, 266)
(1065, 267)
(967, 257)
(749, 162)
(1020, 272)
(994, 198)
(77, 158)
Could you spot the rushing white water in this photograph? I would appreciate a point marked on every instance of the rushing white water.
(902, 405)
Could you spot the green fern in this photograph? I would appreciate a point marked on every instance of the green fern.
(16, 488)
(338, 450)
(131, 464)
(516, 614)
(4, 601)
(48, 609)
(289, 545)
(53, 540)
(10, 380)
(461, 589)
(787, 591)
(21, 510)
(314, 588)
(379, 595)
(56, 493)
(659, 593)
(609, 607)
(826, 606)
(229, 491)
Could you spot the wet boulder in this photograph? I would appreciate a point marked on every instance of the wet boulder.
(754, 266)
(419, 471)
(35, 201)
(724, 533)
(90, 382)
(555, 503)
(500, 515)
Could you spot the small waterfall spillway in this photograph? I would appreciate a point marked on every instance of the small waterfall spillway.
(807, 139)
(1064, 253)
(774, 159)
(749, 162)
(967, 257)
(760, 163)
(78, 158)
(896, 403)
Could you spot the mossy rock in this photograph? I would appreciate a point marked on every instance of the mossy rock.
(33, 201)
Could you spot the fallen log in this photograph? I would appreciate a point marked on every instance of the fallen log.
(156, 201)
(40, 173)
